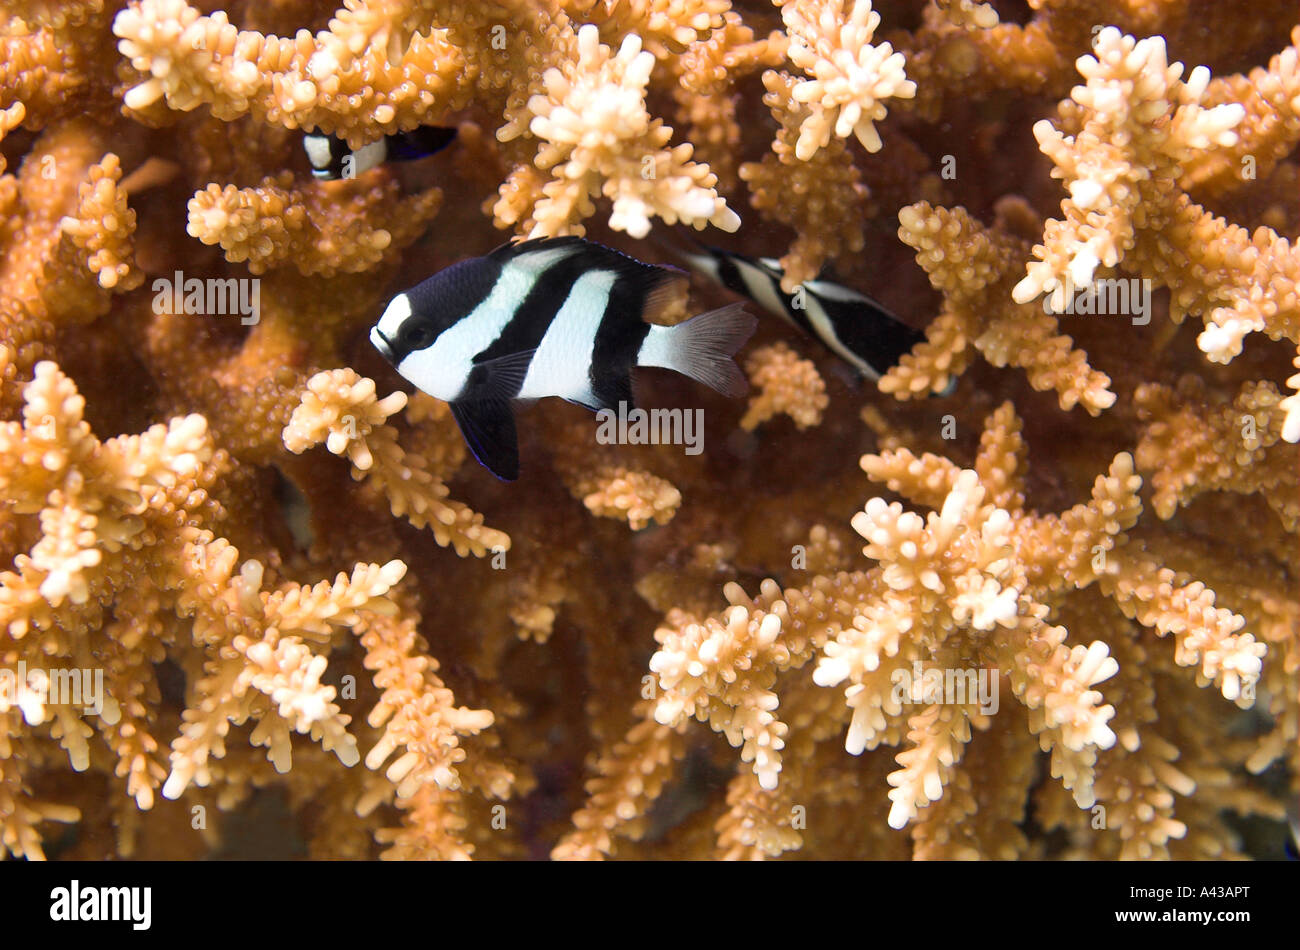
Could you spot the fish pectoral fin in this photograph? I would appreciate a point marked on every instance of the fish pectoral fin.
(488, 426)
(499, 378)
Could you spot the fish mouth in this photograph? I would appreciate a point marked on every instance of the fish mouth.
(380, 342)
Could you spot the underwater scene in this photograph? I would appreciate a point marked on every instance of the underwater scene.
(649, 429)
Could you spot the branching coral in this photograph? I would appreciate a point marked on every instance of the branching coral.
(822, 198)
(1095, 656)
(1140, 126)
(275, 224)
(849, 76)
(972, 584)
(133, 513)
(786, 384)
(351, 70)
(599, 138)
(340, 409)
(978, 312)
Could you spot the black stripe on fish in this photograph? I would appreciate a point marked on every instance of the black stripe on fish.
(618, 341)
(618, 336)
(419, 142)
(869, 331)
(637, 292)
(761, 271)
(528, 326)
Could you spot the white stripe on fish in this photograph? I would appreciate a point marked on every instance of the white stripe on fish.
(569, 343)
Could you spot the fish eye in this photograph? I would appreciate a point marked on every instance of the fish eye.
(416, 336)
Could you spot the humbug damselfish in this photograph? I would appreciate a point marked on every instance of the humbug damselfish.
(332, 159)
(855, 327)
(548, 317)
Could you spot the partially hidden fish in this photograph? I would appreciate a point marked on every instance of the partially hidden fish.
(548, 317)
(329, 155)
(854, 327)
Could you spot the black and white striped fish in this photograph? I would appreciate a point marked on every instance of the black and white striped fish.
(850, 324)
(331, 158)
(548, 317)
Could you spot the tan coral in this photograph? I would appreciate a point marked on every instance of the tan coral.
(722, 669)
(1126, 206)
(850, 77)
(708, 71)
(319, 227)
(103, 226)
(340, 409)
(665, 26)
(787, 384)
(978, 312)
(198, 563)
(106, 509)
(190, 60)
(415, 711)
(970, 14)
(635, 497)
(821, 197)
(598, 137)
(1185, 444)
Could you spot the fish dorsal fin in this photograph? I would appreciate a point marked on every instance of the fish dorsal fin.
(596, 256)
(499, 378)
(518, 250)
(488, 426)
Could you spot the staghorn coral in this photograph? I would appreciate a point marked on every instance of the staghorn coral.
(274, 223)
(599, 138)
(849, 75)
(287, 597)
(787, 385)
(822, 198)
(340, 410)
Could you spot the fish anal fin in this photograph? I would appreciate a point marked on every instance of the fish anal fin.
(488, 426)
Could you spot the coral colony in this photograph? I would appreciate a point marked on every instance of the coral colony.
(220, 502)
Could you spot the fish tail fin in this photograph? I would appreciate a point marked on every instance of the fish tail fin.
(702, 348)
